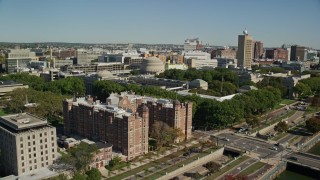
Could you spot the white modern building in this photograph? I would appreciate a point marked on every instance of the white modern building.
(200, 60)
(192, 44)
(19, 59)
(86, 56)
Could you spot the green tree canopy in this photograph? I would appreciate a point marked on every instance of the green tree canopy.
(313, 124)
(80, 157)
(93, 174)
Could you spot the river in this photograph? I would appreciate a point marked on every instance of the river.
(289, 175)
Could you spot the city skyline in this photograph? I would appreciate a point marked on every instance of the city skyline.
(160, 22)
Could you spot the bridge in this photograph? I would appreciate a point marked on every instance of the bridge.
(304, 159)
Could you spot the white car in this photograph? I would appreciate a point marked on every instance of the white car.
(274, 148)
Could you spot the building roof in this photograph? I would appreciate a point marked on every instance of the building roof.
(198, 82)
(22, 121)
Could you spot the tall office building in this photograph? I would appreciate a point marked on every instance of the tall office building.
(244, 54)
(298, 53)
(258, 50)
(28, 143)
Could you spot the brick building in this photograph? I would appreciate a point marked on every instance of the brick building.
(175, 114)
(126, 131)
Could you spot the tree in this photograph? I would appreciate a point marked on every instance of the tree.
(78, 176)
(282, 126)
(103, 89)
(93, 174)
(80, 157)
(302, 90)
(135, 72)
(253, 121)
(163, 134)
(213, 166)
(313, 124)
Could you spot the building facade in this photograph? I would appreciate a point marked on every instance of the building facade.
(244, 53)
(258, 50)
(127, 132)
(18, 59)
(192, 44)
(298, 53)
(28, 143)
(175, 114)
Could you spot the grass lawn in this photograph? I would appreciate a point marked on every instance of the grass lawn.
(311, 110)
(178, 165)
(227, 168)
(251, 169)
(315, 149)
(279, 136)
(2, 112)
(287, 101)
(146, 166)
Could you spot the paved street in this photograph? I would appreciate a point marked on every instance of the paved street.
(240, 167)
(251, 145)
(304, 159)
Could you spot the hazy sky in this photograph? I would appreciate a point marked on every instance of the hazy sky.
(217, 22)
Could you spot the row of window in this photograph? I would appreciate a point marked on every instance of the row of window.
(34, 136)
(34, 167)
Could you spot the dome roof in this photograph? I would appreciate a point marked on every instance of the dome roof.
(105, 74)
(152, 65)
(199, 82)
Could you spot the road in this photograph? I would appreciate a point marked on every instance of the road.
(304, 159)
(239, 168)
(249, 144)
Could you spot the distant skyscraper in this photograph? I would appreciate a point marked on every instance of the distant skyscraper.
(244, 54)
(258, 50)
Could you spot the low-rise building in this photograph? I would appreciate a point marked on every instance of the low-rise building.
(8, 86)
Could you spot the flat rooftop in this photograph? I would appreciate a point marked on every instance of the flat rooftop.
(10, 83)
(22, 121)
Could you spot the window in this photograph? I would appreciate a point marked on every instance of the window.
(22, 158)
(51, 132)
(35, 161)
(45, 133)
(40, 134)
(42, 164)
(21, 138)
(29, 155)
(40, 140)
(21, 145)
(28, 137)
(22, 164)
(29, 143)
(29, 149)
(46, 157)
(34, 155)
(45, 140)
(53, 156)
(21, 151)
(34, 143)
(33, 136)
(34, 148)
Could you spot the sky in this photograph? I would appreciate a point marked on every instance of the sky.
(216, 22)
